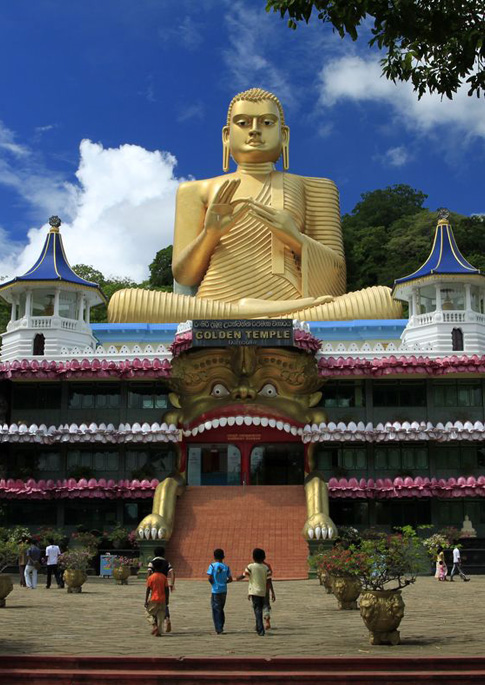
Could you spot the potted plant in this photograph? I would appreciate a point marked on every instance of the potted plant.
(391, 563)
(344, 566)
(75, 564)
(82, 539)
(8, 556)
(119, 537)
(122, 568)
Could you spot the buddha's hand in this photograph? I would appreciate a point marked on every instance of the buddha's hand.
(153, 527)
(319, 527)
(280, 222)
(223, 212)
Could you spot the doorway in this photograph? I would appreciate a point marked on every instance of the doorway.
(213, 464)
(277, 464)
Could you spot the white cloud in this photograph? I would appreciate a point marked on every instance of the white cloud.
(118, 214)
(8, 144)
(247, 60)
(356, 79)
(395, 156)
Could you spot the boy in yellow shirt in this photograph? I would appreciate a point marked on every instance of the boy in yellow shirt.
(258, 574)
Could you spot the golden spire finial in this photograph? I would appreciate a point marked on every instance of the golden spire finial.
(55, 224)
(443, 216)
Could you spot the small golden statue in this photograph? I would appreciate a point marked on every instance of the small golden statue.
(256, 242)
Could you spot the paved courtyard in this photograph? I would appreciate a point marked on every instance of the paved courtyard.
(107, 619)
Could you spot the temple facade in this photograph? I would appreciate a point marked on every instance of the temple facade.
(390, 413)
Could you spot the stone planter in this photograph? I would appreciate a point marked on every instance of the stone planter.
(121, 575)
(6, 587)
(327, 581)
(382, 612)
(74, 580)
(346, 590)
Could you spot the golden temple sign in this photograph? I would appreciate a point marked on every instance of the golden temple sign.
(262, 332)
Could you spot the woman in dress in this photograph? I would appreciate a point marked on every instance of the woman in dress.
(441, 568)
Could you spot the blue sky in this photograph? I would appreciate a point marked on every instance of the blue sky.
(145, 84)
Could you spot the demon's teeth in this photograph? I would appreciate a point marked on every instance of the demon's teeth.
(239, 420)
(286, 427)
(264, 421)
(248, 420)
(195, 430)
(208, 425)
(256, 420)
(215, 423)
(293, 430)
(272, 423)
(223, 421)
(231, 420)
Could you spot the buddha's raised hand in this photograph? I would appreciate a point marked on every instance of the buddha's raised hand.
(222, 212)
(279, 221)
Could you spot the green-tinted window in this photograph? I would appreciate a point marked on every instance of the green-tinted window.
(37, 396)
(99, 460)
(457, 393)
(344, 394)
(49, 461)
(399, 393)
(94, 396)
(346, 458)
(154, 463)
(146, 396)
(397, 458)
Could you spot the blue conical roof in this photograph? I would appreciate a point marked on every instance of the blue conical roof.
(52, 265)
(445, 258)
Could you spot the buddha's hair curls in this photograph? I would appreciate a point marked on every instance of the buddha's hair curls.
(256, 95)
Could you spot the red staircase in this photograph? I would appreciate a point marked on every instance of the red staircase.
(239, 518)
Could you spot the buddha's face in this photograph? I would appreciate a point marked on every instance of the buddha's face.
(255, 133)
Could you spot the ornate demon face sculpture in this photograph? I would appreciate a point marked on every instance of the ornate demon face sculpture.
(268, 383)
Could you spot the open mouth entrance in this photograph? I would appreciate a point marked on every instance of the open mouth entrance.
(275, 463)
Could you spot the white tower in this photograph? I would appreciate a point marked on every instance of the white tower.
(50, 305)
(446, 298)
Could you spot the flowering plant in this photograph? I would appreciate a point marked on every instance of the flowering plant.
(87, 540)
(76, 560)
(118, 535)
(342, 562)
(119, 562)
(390, 559)
(435, 541)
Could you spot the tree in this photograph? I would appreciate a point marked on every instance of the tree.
(389, 234)
(108, 285)
(161, 268)
(435, 45)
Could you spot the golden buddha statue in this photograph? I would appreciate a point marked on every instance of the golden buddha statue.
(256, 242)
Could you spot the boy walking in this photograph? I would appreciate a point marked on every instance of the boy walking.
(258, 574)
(167, 570)
(219, 575)
(155, 596)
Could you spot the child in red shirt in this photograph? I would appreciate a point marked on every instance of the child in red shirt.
(155, 596)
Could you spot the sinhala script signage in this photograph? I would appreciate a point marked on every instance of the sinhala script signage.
(262, 332)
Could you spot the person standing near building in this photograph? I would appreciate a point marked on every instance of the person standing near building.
(457, 566)
(258, 575)
(23, 546)
(155, 596)
(219, 575)
(52, 553)
(33, 565)
(168, 571)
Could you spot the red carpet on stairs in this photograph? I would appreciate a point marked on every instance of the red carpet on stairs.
(239, 519)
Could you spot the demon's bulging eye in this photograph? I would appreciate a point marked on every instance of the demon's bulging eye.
(219, 390)
(268, 390)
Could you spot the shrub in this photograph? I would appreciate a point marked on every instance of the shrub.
(342, 562)
(9, 550)
(390, 559)
(118, 535)
(87, 540)
(76, 559)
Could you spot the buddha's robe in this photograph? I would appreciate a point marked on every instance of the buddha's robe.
(251, 262)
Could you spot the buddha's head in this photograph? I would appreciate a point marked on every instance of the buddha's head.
(255, 131)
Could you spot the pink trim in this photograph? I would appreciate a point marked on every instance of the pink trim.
(354, 366)
(382, 488)
(86, 368)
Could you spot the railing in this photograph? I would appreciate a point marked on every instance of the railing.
(69, 324)
(41, 322)
(423, 319)
(454, 317)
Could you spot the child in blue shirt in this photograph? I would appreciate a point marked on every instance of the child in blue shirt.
(218, 575)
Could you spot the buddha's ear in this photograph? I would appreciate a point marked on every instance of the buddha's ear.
(285, 135)
(225, 148)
